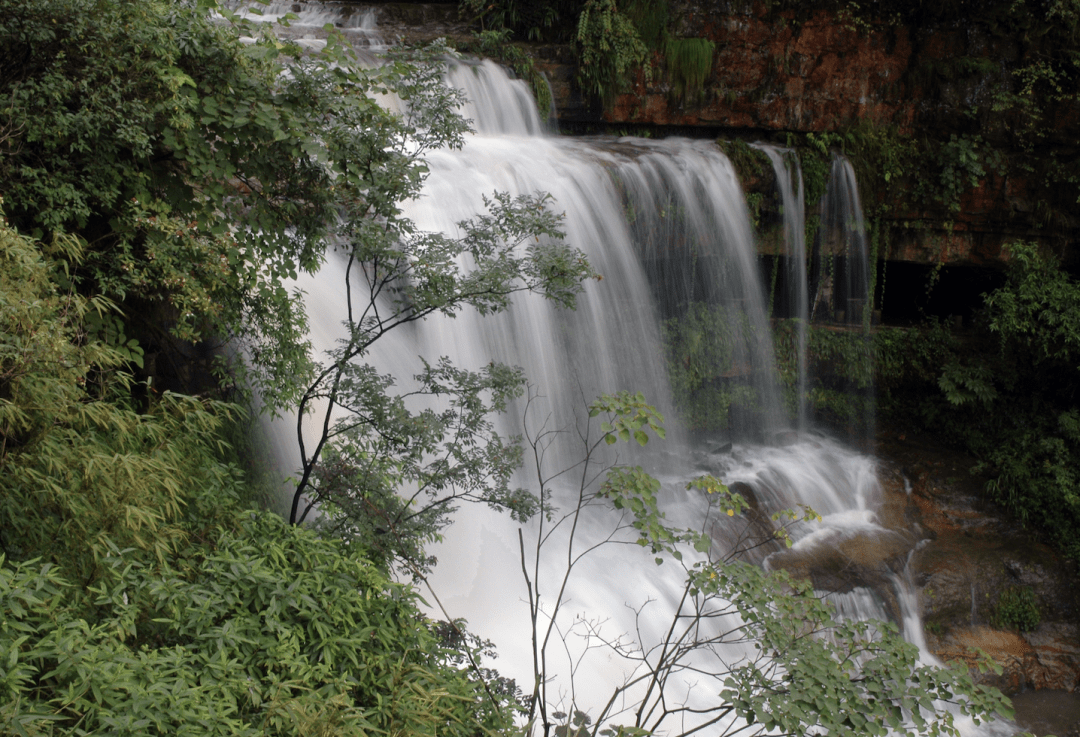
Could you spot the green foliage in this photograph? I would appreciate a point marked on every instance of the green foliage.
(630, 417)
(859, 662)
(360, 461)
(706, 358)
(882, 158)
(844, 365)
(815, 162)
(1032, 446)
(206, 171)
(815, 157)
(1016, 608)
(1036, 87)
(1039, 308)
(536, 20)
(708, 351)
(689, 62)
(442, 458)
(82, 472)
(961, 169)
(750, 163)
(260, 628)
(139, 599)
(609, 50)
(650, 18)
(754, 202)
(126, 126)
(967, 384)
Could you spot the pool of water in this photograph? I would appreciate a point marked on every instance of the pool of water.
(1048, 712)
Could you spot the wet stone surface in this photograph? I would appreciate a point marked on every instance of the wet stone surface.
(1048, 712)
(974, 553)
(935, 529)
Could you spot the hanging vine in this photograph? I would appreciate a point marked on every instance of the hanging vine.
(609, 49)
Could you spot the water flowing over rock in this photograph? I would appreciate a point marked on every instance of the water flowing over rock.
(975, 555)
(665, 223)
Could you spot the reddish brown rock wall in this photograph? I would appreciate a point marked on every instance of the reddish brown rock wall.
(778, 73)
(815, 75)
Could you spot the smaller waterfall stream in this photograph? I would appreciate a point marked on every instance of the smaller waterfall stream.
(843, 232)
(843, 292)
(789, 179)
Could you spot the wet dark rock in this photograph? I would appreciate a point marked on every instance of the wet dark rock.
(978, 552)
(1048, 712)
(761, 526)
(870, 558)
(785, 438)
(418, 23)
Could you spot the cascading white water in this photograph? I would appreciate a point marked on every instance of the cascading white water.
(691, 229)
(843, 231)
(656, 219)
(496, 105)
(789, 180)
(843, 235)
(306, 22)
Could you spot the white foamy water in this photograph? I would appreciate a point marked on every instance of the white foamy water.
(789, 179)
(305, 22)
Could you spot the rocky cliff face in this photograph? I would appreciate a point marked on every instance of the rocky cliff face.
(777, 75)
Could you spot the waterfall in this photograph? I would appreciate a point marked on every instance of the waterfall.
(789, 180)
(496, 105)
(665, 223)
(843, 232)
(843, 259)
(309, 19)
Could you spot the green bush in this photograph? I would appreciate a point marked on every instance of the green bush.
(1016, 608)
(140, 599)
(83, 469)
(259, 628)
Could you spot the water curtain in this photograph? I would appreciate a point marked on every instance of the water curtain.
(666, 225)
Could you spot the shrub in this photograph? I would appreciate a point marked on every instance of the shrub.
(260, 628)
(1016, 608)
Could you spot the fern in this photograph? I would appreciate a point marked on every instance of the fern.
(609, 50)
(689, 62)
